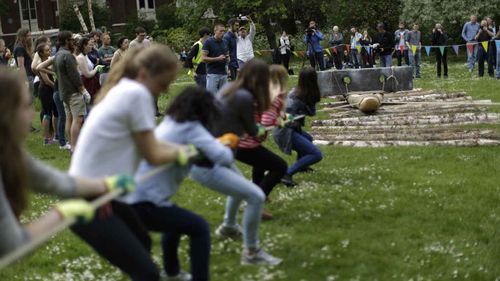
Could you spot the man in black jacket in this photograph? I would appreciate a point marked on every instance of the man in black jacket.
(383, 44)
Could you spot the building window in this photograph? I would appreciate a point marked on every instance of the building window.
(146, 4)
(28, 9)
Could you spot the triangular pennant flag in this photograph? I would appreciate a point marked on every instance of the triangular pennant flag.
(328, 52)
(348, 47)
(302, 54)
(485, 45)
(441, 49)
(334, 49)
(455, 48)
(402, 49)
(470, 48)
(428, 50)
(497, 42)
(258, 53)
(358, 47)
(414, 49)
(295, 54)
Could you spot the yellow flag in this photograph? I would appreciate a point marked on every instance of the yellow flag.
(414, 49)
(328, 52)
(485, 45)
(258, 53)
(358, 47)
(295, 54)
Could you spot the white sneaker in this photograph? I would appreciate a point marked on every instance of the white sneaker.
(67, 146)
(182, 276)
(224, 231)
(260, 257)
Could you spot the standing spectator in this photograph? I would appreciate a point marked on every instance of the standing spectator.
(401, 48)
(413, 38)
(337, 42)
(183, 55)
(122, 45)
(23, 51)
(140, 40)
(355, 56)
(215, 55)
(497, 37)
(469, 32)
(440, 38)
(484, 35)
(383, 43)
(244, 44)
(230, 37)
(97, 36)
(5, 54)
(88, 71)
(366, 54)
(492, 49)
(313, 40)
(194, 59)
(106, 53)
(71, 89)
(285, 50)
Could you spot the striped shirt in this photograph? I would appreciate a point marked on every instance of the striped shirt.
(267, 118)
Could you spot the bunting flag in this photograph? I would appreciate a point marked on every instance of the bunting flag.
(428, 50)
(402, 49)
(497, 42)
(470, 48)
(455, 48)
(295, 54)
(485, 45)
(348, 48)
(258, 53)
(328, 52)
(414, 49)
(334, 49)
(358, 47)
(441, 49)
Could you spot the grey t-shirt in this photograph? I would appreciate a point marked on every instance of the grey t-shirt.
(106, 143)
(44, 180)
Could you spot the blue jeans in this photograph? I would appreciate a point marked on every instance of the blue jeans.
(215, 82)
(173, 222)
(61, 122)
(307, 152)
(201, 80)
(231, 182)
(471, 58)
(498, 62)
(385, 60)
(415, 62)
(355, 58)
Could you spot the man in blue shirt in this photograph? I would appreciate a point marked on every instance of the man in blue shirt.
(231, 38)
(215, 54)
(468, 34)
(314, 50)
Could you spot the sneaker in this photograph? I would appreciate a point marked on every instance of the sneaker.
(49, 141)
(224, 231)
(67, 146)
(34, 130)
(266, 215)
(260, 257)
(288, 181)
(182, 276)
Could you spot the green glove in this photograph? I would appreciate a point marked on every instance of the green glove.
(185, 154)
(261, 130)
(290, 117)
(75, 208)
(120, 182)
(100, 68)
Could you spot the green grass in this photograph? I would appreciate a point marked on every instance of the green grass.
(410, 213)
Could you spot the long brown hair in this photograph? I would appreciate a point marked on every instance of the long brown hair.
(307, 88)
(22, 39)
(155, 59)
(12, 157)
(254, 77)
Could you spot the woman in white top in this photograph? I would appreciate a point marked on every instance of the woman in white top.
(116, 135)
(285, 50)
(88, 73)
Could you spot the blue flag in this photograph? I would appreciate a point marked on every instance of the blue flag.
(497, 42)
(428, 50)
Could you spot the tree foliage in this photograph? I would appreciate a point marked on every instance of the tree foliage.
(451, 14)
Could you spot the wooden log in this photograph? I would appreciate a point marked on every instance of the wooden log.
(408, 126)
(366, 103)
(408, 112)
(466, 142)
(397, 136)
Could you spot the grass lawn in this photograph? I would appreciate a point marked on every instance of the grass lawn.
(410, 213)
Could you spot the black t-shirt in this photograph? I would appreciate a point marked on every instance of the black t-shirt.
(386, 43)
(483, 35)
(20, 51)
(216, 48)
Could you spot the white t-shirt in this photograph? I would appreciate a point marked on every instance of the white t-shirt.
(106, 145)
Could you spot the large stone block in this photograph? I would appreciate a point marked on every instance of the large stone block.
(389, 79)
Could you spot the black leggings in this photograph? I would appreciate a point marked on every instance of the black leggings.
(46, 95)
(263, 160)
(122, 239)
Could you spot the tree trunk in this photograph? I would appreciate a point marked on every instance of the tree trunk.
(271, 36)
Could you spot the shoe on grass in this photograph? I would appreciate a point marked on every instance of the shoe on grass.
(258, 257)
(288, 181)
(233, 232)
(67, 146)
(266, 215)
